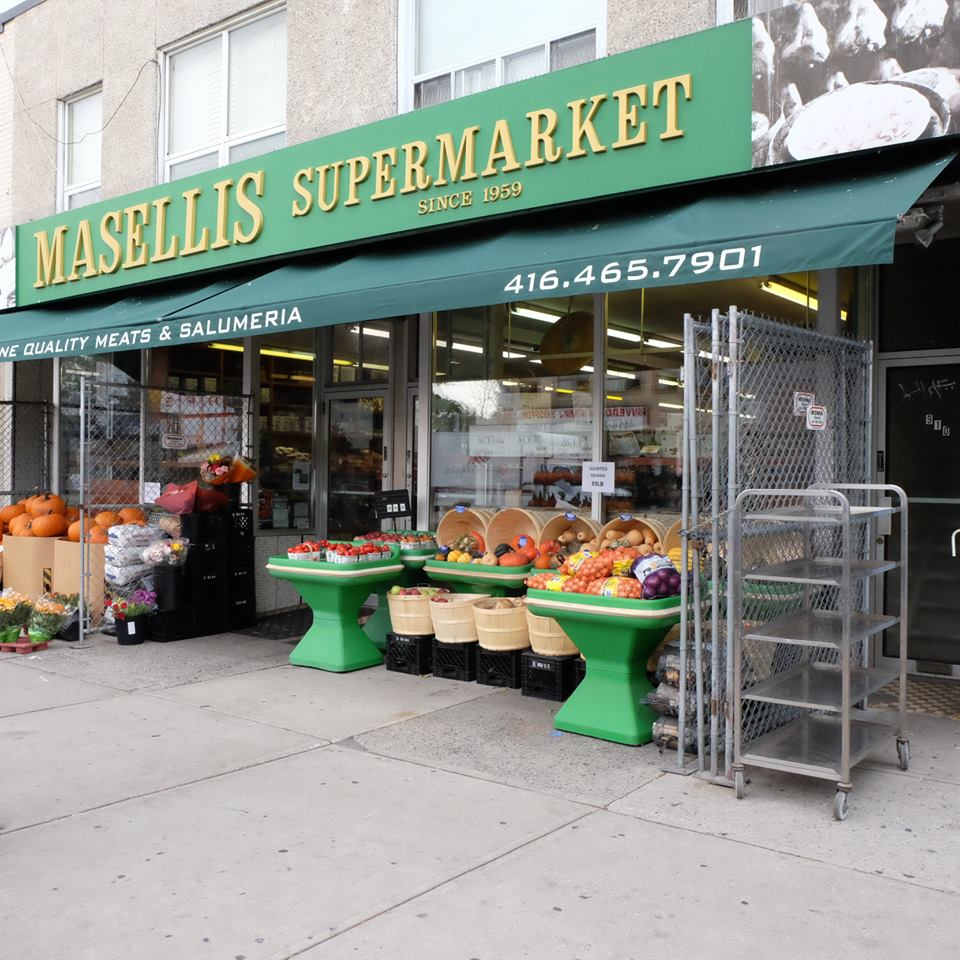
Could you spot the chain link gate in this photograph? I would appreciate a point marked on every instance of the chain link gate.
(122, 443)
(26, 434)
(744, 427)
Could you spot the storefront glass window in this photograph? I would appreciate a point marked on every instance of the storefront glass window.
(361, 352)
(512, 405)
(286, 405)
(199, 368)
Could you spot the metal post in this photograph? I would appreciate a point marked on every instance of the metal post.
(81, 482)
(715, 372)
(733, 423)
(688, 403)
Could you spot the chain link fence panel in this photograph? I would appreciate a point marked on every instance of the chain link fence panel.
(26, 435)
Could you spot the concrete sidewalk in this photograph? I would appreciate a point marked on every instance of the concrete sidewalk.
(203, 799)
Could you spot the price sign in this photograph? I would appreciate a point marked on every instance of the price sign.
(392, 503)
(816, 417)
(173, 441)
(802, 402)
(597, 477)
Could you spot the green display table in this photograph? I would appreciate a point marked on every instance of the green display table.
(378, 623)
(616, 637)
(478, 578)
(335, 592)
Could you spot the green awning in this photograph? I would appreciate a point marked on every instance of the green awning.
(803, 219)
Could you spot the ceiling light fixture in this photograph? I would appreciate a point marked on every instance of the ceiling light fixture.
(535, 314)
(232, 347)
(784, 292)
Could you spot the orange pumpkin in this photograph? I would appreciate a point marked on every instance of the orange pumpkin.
(98, 535)
(49, 525)
(73, 513)
(73, 532)
(8, 513)
(132, 515)
(46, 504)
(106, 520)
(18, 522)
(24, 529)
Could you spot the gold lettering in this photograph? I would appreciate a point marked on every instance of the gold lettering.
(359, 171)
(223, 209)
(138, 216)
(250, 207)
(462, 163)
(83, 253)
(543, 149)
(421, 207)
(111, 217)
(628, 117)
(414, 157)
(191, 243)
(305, 174)
(467, 199)
(385, 185)
(454, 201)
(160, 233)
(327, 205)
(583, 126)
(673, 85)
(50, 257)
(501, 148)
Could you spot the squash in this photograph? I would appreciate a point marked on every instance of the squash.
(98, 535)
(490, 559)
(45, 504)
(132, 515)
(73, 532)
(18, 522)
(514, 560)
(49, 525)
(72, 514)
(502, 548)
(8, 513)
(23, 529)
(106, 519)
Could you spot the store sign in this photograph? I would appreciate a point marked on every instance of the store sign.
(598, 476)
(665, 114)
(802, 402)
(816, 417)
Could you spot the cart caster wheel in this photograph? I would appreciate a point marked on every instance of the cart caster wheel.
(840, 807)
(739, 784)
(903, 754)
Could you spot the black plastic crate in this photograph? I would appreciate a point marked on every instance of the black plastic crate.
(239, 525)
(413, 655)
(208, 619)
(204, 527)
(239, 579)
(170, 583)
(239, 553)
(499, 668)
(213, 552)
(549, 678)
(169, 625)
(207, 588)
(455, 661)
(240, 611)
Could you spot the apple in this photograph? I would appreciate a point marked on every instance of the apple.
(396, 590)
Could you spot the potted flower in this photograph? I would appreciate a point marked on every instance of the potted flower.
(132, 616)
(47, 619)
(215, 470)
(15, 611)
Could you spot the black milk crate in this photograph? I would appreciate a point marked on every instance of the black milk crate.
(170, 584)
(240, 611)
(169, 625)
(581, 670)
(211, 553)
(550, 678)
(499, 668)
(240, 580)
(239, 525)
(406, 654)
(455, 661)
(204, 527)
(206, 586)
(208, 619)
(239, 553)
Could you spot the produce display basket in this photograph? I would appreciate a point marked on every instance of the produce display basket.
(462, 520)
(453, 621)
(656, 524)
(548, 638)
(504, 629)
(512, 522)
(560, 523)
(478, 577)
(410, 615)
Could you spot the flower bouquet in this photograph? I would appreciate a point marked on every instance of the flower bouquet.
(15, 611)
(47, 620)
(166, 553)
(216, 469)
(241, 471)
(131, 615)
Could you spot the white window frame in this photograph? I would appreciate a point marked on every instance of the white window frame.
(724, 12)
(65, 192)
(222, 146)
(407, 78)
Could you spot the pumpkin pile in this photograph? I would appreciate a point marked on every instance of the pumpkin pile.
(48, 515)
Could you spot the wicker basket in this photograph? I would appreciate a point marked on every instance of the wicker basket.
(513, 522)
(502, 629)
(410, 615)
(561, 522)
(461, 520)
(657, 525)
(547, 637)
(453, 621)
(672, 539)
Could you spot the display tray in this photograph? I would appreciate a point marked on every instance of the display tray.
(477, 572)
(554, 600)
(283, 564)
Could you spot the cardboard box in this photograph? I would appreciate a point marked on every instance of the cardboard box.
(66, 571)
(28, 564)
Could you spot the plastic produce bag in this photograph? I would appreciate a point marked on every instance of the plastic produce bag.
(121, 576)
(133, 535)
(122, 556)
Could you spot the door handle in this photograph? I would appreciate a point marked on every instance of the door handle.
(953, 542)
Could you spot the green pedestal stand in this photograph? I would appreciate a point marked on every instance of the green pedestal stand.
(478, 578)
(617, 638)
(378, 624)
(335, 592)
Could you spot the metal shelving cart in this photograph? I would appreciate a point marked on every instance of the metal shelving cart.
(807, 673)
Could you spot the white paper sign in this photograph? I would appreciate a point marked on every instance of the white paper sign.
(802, 402)
(597, 477)
(131, 629)
(816, 417)
(173, 441)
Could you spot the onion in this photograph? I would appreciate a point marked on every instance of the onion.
(649, 591)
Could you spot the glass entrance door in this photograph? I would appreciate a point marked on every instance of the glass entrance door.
(357, 451)
(920, 451)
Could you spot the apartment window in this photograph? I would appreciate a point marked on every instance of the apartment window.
(226, 96)
(81, 118)
(728, 10)
(452, 61)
